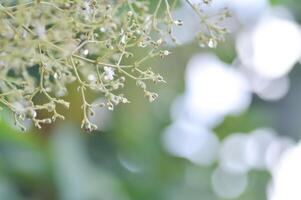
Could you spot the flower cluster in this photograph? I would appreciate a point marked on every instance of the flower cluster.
(47, 45)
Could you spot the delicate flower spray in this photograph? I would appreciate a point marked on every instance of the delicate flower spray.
(46, 45)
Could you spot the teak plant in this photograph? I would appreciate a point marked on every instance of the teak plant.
(46, 45)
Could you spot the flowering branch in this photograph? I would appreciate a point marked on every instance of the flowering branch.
(86, 42)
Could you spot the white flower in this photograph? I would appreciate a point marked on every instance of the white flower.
(287, 176)
(271, 48)
(19, 107)
(109, 73)
(191, 141)
(92, 77)
(86, 52)
(215, 88)
(87, 10)
(40, 30)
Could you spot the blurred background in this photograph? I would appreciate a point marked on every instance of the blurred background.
(226, 124)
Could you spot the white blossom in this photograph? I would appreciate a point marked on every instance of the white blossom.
(109, 73)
